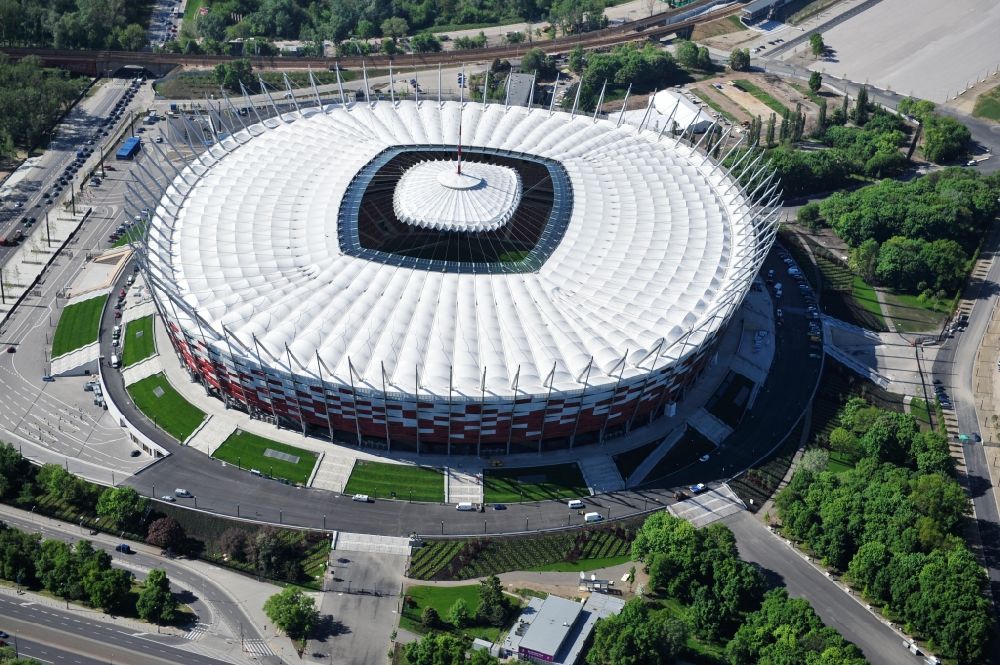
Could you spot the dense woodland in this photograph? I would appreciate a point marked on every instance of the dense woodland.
(31, 99)
(892, 524)
(75, 23)
(916, 236)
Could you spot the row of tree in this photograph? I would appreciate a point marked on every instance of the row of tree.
(891, 523)
(643, 67)
(31, 99)
(338, 20)
(912, 236)
(79, 572)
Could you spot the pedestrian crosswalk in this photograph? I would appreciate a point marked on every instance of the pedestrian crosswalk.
(197, 631)
(257, 647)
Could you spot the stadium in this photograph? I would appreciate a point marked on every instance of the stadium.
(456, 277)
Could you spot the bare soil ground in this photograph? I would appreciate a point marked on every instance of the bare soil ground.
(722, 26)
(745, 106)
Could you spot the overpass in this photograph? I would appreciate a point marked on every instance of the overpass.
(117, 63)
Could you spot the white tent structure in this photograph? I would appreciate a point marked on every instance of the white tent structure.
(268, 303)
(673, 112)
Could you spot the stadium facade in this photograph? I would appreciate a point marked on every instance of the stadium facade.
(557, 280)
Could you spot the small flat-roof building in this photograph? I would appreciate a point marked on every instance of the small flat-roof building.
(760, 9)
(556, 630)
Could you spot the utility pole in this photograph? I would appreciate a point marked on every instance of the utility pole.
(48, 235)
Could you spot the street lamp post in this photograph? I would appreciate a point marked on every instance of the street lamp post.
(442, 527)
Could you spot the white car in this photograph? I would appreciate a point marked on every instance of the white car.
(168, 498)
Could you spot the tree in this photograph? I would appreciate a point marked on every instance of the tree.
(687, 53)
(816, 44)
(459, 614)
(808, 216)
(166, 533)
(704, 60)
(443, 649)
(576, 59)
(389, 46)
(230, 74)
(492, 605)
(293, 612)
(425, 42)
(862, 107)
(815, 81)
(637, 636)
(945, 139)
(120, 507)
(739, 60)
(535, 60)
(430, 618)
(815, 460)
(864, 259)
(394, 27)
(108, 589)
(234, 544)
(156, 603)
(769, 133)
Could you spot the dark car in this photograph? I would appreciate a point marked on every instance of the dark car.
(499, 506)
(11, 349)
(123, 548)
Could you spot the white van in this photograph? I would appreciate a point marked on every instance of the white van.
(593, 517)
(361, 498)
(466, 506)
(575, 504)
(114, 360)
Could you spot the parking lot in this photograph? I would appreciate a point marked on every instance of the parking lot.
(926, 48)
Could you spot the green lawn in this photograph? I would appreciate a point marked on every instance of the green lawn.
(628, 461)
(839, 462)
(247, 451)
(988, 105)
(78, 326)
(582, 564)
(133, 234)
(816, 98)
(919, 410)
(138, 341)
(441, 599)
(915, 314)
(156, 398)
(536, 483)
(399, 481)
(762, 95)
(865, 296)
(191, 9)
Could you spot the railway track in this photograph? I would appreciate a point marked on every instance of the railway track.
(639, 30)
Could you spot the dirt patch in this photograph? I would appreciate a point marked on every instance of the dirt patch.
(722, 26)
(966, 102)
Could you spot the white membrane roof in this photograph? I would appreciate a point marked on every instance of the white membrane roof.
(433, 194)
(655, 236)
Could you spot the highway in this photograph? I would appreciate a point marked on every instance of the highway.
(94, 641)
(216, 609)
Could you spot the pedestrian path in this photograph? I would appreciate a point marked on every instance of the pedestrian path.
(654, 458)
(141, 370)
(463, 485)
(709, 426)
(257, 648)
(212, 434)
(362, 542)
(333, 472)
(601, 474)
(709, 506)
(197, 631)
(75, 360)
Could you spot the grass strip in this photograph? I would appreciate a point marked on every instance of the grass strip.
(138, 342)
(78, 326)
(714, 105)
(988, 105)
(762, 95)
(156, 398)
(248, 451)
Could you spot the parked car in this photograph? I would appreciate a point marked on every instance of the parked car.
(123, 548)
(697, 488)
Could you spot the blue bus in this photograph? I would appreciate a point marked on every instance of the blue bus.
(129, 148)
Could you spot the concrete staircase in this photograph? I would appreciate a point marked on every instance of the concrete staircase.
(709, 426)
(647, 465)
(463, 485)
(601, 474)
